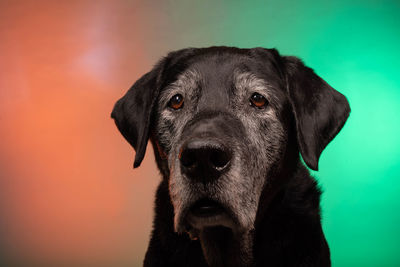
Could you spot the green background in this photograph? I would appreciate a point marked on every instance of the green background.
(354, 46)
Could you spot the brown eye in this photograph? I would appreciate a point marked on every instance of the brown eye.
(258, 100)
(176, 102)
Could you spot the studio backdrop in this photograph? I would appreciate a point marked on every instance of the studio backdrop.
(68, 193)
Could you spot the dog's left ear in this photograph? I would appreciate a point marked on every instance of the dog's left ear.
(320, 111)
(132, 113)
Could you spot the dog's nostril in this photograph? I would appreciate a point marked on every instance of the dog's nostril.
(188, 158)
(219, 158)
(204, 160)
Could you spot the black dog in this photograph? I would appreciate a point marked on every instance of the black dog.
(228, 126)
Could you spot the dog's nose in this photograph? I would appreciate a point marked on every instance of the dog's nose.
(204, 160)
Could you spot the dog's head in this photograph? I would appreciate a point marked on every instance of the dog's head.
(225, 123)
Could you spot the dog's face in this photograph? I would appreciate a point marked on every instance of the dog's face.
(225, 122)
(222, 139)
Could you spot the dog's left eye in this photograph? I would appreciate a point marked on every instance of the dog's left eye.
(258, 100)
(176, 102)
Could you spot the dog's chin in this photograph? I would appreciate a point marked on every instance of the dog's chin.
(206, 213)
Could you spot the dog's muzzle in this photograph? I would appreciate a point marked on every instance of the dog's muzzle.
(203, 160)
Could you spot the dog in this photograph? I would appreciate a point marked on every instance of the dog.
(228, 126)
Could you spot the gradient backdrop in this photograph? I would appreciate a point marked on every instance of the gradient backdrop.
(68, 194)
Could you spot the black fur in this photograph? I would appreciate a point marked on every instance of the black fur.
(287, 227)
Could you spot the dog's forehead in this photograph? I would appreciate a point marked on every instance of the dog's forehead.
(217, 79)
(218, 73)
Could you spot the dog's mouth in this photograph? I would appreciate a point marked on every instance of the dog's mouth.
(207, 212)
(205, 208)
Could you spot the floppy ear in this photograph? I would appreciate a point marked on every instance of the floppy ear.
(132, 113)
(320, 111)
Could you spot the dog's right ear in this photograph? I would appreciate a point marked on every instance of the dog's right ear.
(320, 111)
(132, 113)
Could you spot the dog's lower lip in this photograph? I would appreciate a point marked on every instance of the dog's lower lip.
(206, 208)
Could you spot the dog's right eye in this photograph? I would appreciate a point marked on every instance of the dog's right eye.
(258, 101)
(176, 102)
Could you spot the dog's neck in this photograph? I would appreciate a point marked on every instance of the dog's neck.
(221, 247)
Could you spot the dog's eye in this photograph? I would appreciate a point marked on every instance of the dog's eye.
(176, 102)
(258, 100)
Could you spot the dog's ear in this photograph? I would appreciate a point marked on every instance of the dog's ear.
(320, 111)
(132, 113)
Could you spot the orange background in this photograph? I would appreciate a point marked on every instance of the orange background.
(68, 192)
